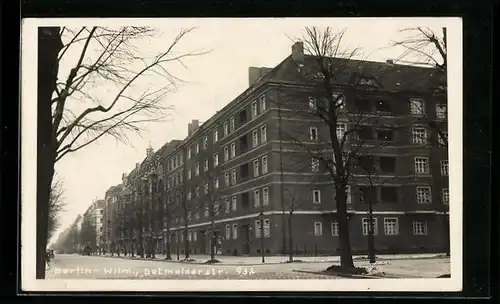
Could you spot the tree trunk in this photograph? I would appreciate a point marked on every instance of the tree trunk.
(213, 242)
(49, 45)
(169, 256)
(186, 240)
(344, 238)
(290, 238)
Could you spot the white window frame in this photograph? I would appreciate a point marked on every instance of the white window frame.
(267, 228)
(189, 236)
(256, 198)
(235, 231)
(365, 228)
(228, 232)
(312, 104)
(386, 226)
(207, 212)
(318, 192)
(197, 191)
(195, 236)
(422, 190)
(314, 165)
(216, 159)
(234, 203)
(340, 130)
(205, 142)
(348, 194)
(421, 165)
(228, 205)
(441, 111)
(216, 135)
(420, 227)
(263, 134)
(264, 165)
(226, 128)
(216, 182)
(262, 101)
(216, 207)
(255, 138)
(445, 196)
(189, 195)
(255, 109)
(197, 169)
(233, 150)
(335, 228)
(231, 124)
(315, 133)
(189, 173)
(205, 188)
(319, 231)
(419, 135)
(189, 153)
(440, 138)
(206, 165)
(258, 229)
(233, 177)
(227, 179)
(265, 196)
(226, 153)
(444, 164)
(413, 109)
(256, 168)
(197, 148)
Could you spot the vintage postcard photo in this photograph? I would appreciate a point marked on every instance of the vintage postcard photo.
(253, 154)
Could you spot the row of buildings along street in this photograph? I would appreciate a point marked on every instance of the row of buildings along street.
(254, 178)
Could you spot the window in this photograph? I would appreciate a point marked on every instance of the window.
(389, 194)
(216, 159)
(335, 228)
(312, 104)
(258, 229)
(385, 135)
(197, 191)
(318, 229)
(364, 133)
(197, 215)
(195, 236)
(189, 236)
(243, 116)
(387, 164)
(231, 124)
(341, 129)
(263, 134)
(205, 143)
(363, 105)
(417, 107)
(267, 228)
(228, 205)
(264, 164)
(445, 196)
(255, 111)
(443, 138)
(205, 188)
(226, 128)
(441, 111)
(233, 150)
(233, 203)
(316, 196)
(255, 138)
(197, 148)
(424, 195)
(235, 231)
(265, 196)
(391, 226)
(228, 232)
(444, 168)
(314, 165)
(256, 198)
(419, 135)
(197, 169)
(182, 236)
(256, 168)
(233, 177)
(216, 182)
(226, 153)
(189, 153)
(313, 133)
(188, 173)
(189, 195)
(366, 162)
(226, 179)
(216, 208)
(205, 165)
(421, 165)
(244, 171)
(348, 194)
(207, 211)
(419, 227)
(262, 103)
(383, 106)
(366, 227)
(216, 136)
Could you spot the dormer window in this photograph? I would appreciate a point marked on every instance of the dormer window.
(367, 81)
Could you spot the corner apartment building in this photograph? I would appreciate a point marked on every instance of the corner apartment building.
(243, 169)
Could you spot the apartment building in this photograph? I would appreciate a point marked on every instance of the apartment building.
(233, 182)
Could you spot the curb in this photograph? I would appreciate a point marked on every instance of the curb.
(350, 276)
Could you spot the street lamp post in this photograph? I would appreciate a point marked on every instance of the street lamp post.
(261, 216)
(371, 232)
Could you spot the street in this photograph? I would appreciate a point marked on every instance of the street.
(73, 266)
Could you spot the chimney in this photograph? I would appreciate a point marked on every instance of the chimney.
(190, 129)
(195, 124)
(137, 166)
(298, 52)
(389, 61)
(149, 151)
(255, 73)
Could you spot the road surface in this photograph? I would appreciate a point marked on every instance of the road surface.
(73, 266)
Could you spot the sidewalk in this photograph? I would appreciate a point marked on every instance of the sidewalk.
(257, 260)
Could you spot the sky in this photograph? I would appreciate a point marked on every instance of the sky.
(211, 81)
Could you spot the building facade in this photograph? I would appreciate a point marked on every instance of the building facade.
(253, 179)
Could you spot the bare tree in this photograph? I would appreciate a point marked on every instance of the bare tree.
(56, 206)
(71, 113)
